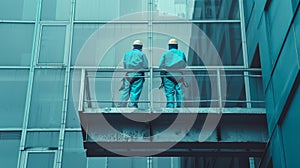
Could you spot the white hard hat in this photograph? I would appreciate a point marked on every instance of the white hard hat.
(173, 41)
(137, 42)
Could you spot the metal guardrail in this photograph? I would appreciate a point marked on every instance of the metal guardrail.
(219, 73)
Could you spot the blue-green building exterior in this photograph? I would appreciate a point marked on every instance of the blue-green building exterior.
(273, 35)
(41, 43)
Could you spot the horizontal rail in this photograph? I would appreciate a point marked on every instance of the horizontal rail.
(120, 69)
(216, 72)
(184, 101)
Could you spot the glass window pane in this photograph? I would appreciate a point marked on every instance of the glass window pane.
(196, 9)
(73, 140)
(127, 162)
(47, 98)
(74, 155)
(56, 10)
(206, 41)
(104, 91)
(256, 89)
(235, 93)
(105, 45)
(82, 32)
(18, 9)
(16, 43)
(9, 145)
(42, 139)
(109, 10)
(52, 44)
(38, 160)
(72, 113)
(13, 89)
(200, 92)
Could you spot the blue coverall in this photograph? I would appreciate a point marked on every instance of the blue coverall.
(172, 59)
(133, 82)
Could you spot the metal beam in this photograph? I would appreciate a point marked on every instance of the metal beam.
(173, 134)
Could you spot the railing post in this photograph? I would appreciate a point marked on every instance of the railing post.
(219, 89)
(247, 89)
(81, 92)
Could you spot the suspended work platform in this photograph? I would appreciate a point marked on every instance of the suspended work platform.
(235, 126)
(177, 132)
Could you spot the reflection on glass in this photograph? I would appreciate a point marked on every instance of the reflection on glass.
(196, 9)
(18, 9)
(9, 145)
(235, 94)
(82, 33)
(204, 44)
(72, 120)
(109, 10)
(199, 93)
(13, 89)
(256, 89)
(38, 160)
(42, 139)
(52, 44)
(102, 90)
(225, 38)
(16, 43)
(73, 153)
(47, 99)
(105, 45)
(56, 10)
(129, 162)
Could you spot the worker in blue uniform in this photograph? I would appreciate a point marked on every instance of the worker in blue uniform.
(135, 61)
(172, 79)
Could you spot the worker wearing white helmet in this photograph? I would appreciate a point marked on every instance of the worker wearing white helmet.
(133, 81)
(172, 79)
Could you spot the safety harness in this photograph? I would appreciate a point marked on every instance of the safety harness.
(172, 79)
(131, 80)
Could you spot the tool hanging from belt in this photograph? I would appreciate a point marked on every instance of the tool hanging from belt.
(132, 79)
(172, 79)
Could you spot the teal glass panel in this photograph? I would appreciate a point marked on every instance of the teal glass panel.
(105, 45)
(72, 120)
(289, 133)
(256, 89)
(95, 162)
(42, 159)
(105, 87)
(235, 89)
(47, 98)
(9, 145)
(162, 162)
(81, 34)
(211, 41)
(56, 10)
(52, 44)
(130, 162)
(42, 139)
(196, 10)
(109, 10)
(13, 89)
(18, 9)
(16, 43)
(73, 153)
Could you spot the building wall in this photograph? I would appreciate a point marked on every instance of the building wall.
(273, 34)
(40, 73)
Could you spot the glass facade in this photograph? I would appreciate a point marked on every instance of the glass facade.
(47, 44)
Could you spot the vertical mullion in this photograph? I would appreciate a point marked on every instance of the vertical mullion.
(34, 54)
(150, 40)
(245, 56)
(67, 57)
(243, 34)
